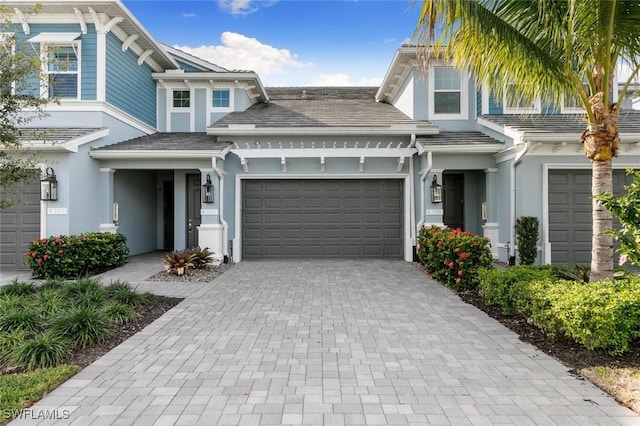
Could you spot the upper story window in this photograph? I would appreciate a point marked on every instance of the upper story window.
(514, 104)
(63, 72)
(221, 98)
(448, 94)
(181, 98)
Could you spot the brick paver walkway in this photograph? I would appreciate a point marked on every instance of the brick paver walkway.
(327, 342)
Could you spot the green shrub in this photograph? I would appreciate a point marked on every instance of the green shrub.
(53, 283)
(76, 255)
(17, 288)
(49, 301)
(119, 313)
(527, 232)
(452, 256)
(22, 318)
(45, 350)
(8, 342)
(503, 288)
(123, 293)
(86, 292)
(83, 326)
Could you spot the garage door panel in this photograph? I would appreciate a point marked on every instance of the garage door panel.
(570, 220)
(323, 218)
(19, 225)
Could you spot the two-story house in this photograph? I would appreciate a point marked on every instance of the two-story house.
(174, 152)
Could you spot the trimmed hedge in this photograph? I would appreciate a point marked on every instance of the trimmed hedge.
(452, 256)
(76, 255)
(603, 315)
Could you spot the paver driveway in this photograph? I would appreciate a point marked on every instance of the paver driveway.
(327, 342)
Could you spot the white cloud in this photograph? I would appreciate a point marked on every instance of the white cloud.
(238, 7)
(339, 79)
(188, 15)
(238, 51)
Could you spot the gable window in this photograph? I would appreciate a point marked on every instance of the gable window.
(63, 72)
(221, 98)
(448, 95)
(514, 104)
(181, 98)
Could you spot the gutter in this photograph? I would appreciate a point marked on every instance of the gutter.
(512, 236)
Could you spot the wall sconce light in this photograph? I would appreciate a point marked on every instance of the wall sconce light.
(436, 190)
(49, 186)
(207, 191)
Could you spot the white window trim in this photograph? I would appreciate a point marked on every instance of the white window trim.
(44, 58)
(535, 109)
(211, 108)
(464, 96)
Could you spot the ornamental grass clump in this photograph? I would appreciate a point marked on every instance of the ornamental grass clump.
(83, 326)
(178, 261)
(122, 293)
(44, 350)
(453, 256)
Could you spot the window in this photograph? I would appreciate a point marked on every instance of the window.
(513, 102)
(572, 103)
(62, 72)
(448, 94)
(446, 91)
(221, 99)
(181, 98)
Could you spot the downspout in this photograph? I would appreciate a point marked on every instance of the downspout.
(423, 177)
(512, 236)
(412, 194)
(225, 225)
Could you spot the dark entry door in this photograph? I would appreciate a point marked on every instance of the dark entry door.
(453, 188)
(193, 209)
(167, 208)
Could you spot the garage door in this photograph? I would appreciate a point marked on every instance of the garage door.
(19, 225)
(322, 218)
(570, 214)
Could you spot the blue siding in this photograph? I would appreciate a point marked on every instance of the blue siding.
(187, 67)
(495, 106)
(130, 86)
(478, 103)
(241, 100)
(87, 58)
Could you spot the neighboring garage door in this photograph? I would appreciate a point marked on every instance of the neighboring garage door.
(356, 218)
(19, 225)
(570, 214)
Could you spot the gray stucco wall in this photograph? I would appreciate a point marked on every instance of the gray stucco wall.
(135, 192)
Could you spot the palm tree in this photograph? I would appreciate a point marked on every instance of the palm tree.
(568, 47)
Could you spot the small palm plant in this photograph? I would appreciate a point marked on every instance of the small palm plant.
(202, 257)
(178, 261)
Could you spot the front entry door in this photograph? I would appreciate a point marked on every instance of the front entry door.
(193, 209)
(453, 188)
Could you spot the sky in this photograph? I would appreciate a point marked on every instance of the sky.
(287, 42)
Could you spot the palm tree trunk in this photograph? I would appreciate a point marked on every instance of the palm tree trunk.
(601, 244)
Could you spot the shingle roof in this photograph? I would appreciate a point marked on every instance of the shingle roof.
(628, 122)
(319, 107)
(54, 134)
(170, 142)
(465, 138)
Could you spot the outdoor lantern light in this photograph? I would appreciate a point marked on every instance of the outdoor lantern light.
(436, 190)
(49, 186)
(207, 191)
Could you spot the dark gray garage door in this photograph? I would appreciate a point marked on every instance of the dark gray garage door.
(322, 218)
(19, 225)
(570, 214)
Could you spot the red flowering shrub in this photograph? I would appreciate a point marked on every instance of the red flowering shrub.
(452, 256)
(76, 256)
